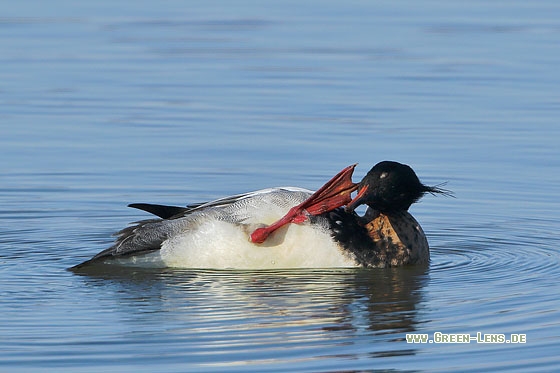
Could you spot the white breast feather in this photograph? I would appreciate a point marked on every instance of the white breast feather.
(217, 236)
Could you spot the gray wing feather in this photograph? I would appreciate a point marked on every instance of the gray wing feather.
(145, 236)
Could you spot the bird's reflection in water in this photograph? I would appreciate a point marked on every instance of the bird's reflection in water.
(381, 301)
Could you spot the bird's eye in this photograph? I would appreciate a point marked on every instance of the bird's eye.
(383, 175)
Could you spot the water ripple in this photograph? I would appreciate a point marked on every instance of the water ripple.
(508, 252)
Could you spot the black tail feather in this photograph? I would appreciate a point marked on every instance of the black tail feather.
(164, 212)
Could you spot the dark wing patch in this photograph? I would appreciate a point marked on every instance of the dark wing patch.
(163, 211)
(144, 237)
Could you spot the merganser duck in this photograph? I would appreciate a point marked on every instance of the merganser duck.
(285, 227)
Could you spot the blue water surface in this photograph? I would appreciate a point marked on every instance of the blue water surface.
(111, 102)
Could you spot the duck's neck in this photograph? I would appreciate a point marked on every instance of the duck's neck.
(397, 240)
